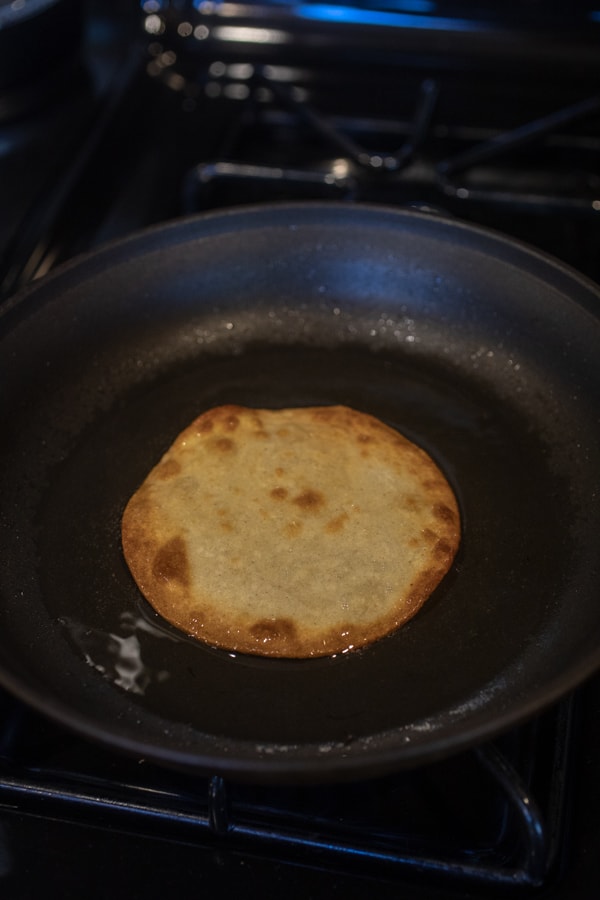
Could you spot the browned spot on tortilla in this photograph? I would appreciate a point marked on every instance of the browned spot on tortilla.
(204, 424)
(279, 493)
(225, 445)
(279, 471)
(443, 512)
(442, 549)
(225, 418)
(429, 535)
(168, 469)
(267, 630)
(410, 502)
(226, 525)
(364, 438)
(309, 500)
(171, 563)
(337, 523)
(293, 529)
(283, 432)
(324, 414)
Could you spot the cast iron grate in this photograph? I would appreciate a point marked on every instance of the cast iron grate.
(413, 149)
(534, 177)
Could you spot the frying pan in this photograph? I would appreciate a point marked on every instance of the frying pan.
(482, 351)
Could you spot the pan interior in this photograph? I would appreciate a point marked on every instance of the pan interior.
(477, 623)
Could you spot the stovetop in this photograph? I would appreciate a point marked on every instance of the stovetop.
(492, 117)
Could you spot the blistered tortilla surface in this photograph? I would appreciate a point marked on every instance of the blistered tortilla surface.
(296, 532)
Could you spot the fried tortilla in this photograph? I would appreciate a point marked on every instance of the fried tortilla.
(296, 533)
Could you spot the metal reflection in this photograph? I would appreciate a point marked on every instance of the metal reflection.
(250, 35)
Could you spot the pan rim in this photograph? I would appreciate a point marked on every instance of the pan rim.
(142, 241)
(280, 764)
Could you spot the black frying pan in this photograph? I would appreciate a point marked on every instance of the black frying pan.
(482, 351)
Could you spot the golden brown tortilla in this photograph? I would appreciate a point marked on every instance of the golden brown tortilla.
(292, 532)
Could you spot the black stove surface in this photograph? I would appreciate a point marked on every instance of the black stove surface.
(493, 117)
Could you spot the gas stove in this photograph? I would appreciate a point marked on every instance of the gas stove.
(489, 114)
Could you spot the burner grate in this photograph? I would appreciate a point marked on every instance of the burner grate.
(534, 178)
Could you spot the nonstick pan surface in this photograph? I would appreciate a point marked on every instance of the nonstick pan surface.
(480, 350)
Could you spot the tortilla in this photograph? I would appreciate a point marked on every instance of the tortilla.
(298, 532)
